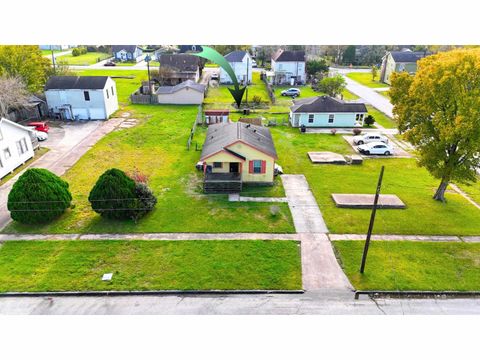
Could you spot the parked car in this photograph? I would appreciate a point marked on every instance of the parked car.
(254, 63)
(368, 138)
(376, 148)
(291, 92)
(39, 126)
(110, 63)
(41, 135)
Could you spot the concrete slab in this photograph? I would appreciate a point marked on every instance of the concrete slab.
(365, 201)
(326, 157)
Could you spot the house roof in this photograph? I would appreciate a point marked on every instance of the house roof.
(284, 55)
(76, 82)
(236, 56)
(217, 112)
(189, 84)
(4, 121)
(127, 48)
(220, 136)
(326, 104)
(180, 62)
(408, 56)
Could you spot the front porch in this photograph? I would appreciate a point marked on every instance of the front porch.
(222, 183)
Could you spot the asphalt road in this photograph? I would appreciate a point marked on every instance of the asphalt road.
(326, 302)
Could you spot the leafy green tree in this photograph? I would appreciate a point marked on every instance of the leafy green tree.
(374, 72)
(26, 62)
(113, 196)
(316, 66)
(369, 120)
(348, 56)
(38, 196)
(332, 86)
(438, 110)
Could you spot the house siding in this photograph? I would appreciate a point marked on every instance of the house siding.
(184, 96)
(321, 119)
(240, 69)
(10, 134)
(288, 68)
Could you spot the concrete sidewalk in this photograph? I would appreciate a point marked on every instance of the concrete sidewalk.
(389, 237)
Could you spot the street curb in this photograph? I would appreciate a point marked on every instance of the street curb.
(416, 294)
(147, 293)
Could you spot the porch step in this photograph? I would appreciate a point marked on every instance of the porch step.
(222, 187)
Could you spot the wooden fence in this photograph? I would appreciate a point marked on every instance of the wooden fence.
(198, 120)
(143, 99)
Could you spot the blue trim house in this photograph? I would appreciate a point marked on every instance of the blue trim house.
(130, 53)
(325, 111)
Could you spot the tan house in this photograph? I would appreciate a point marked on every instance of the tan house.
(235, 153)
(400, 61)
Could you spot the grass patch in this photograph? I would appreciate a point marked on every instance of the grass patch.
(149, 265)
(403, 265)
(37, 154)
(381, 118)
(414, 185)
(85, 59)
(157, 147)
(365, 78)
(49, 52)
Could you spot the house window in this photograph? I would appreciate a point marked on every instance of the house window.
(217, 165)
(7, 153)
(113, 93)
(22, 146)
(359, 117)
(331, 117)
(310, 118)
(257, 166)
(108, 97)
(86, 95)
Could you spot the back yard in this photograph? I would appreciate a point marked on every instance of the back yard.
(403, 265)
(149, 265)
(85, 59)
(365, 78)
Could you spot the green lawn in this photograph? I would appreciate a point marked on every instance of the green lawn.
(85, 59)
(381, 118)
(366, 79)
(402, 265)
(149, 265)
(127, 81)
(402, 177)
(157, 147)
(221, 97)
(49, 52)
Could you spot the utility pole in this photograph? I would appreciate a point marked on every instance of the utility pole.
(372, 221)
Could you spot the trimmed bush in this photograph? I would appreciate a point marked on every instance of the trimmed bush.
(146, 200)
(38, 196)
(369, 120)
(357, 131)
(113, 196)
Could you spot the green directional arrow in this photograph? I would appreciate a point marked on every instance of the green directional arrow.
(214, 56)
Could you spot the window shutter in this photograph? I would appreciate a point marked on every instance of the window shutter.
(250, 167)
(264, 166)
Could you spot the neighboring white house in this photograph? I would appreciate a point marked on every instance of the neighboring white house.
(325, 111)
(81, 97)
(241, 63)
(15, 146)
(131, 53)
(289, 67)
(55, 47)
(187, 92)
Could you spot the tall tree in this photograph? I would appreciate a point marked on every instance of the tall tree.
(27, 62)
(13, 94)
(332, 86)
(316, 66)
(374, 72)
(348, 56)
(439, 111)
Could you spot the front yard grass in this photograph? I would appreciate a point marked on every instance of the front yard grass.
(381, 118)
(150, 265)
(403, 265)
(412, 184)
(85, 59)
(157, 148)
(365, 78)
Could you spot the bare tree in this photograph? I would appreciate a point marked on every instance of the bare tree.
(13, 94)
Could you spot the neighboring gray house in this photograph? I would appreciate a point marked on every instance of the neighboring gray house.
(398, 61)
(127, 53)
(289, 67)
(81, 97)
(188, 92)
(325, 111)
(241, 63)
(181, 67)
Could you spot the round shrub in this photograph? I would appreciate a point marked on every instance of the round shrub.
(145, 200)
(38, 196)
(369, 120)
(357, 131)
(113, 196)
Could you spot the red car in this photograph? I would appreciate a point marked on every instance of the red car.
(39, 126)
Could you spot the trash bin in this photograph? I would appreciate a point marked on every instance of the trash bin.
(303, 128)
